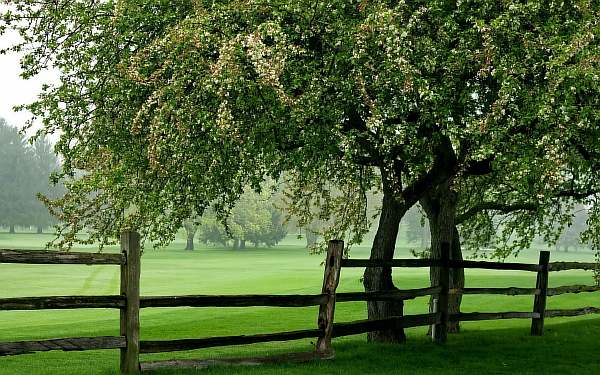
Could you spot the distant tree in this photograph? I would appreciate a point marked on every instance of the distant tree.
(25, 172)
(16, 174)
(417, 229)
(571, 235)
(45, 163)
(254, 219)
(191, 227)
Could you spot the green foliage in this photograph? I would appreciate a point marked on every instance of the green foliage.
(253, 219)
(169, 107)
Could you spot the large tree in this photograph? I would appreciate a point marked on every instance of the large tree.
(170, 107)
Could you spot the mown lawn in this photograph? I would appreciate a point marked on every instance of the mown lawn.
(570, 345)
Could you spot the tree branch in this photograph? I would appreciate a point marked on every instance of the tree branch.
(501, 207)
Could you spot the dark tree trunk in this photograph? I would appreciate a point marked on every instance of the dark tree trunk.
(11, 229)
(190, 230)
(457, 281)
(189, 245)
(242, 244)
(380, 279)
(440, 207)
(40, 229)
(236, 244)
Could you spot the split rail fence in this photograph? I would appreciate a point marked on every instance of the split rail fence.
(129, 302)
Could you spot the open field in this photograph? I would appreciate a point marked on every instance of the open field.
(497, 347)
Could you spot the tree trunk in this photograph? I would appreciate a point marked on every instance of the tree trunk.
(242, 244)
(40, 229)
(189, 243)
(380, 278)
(440, 207)
(236, 244)
(11, 229)
(457, 281)
(190, 230)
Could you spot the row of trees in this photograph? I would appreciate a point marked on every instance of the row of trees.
(24, 172)
(255, 219)
(481, 113)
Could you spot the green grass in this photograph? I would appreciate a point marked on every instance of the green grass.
(570, 345)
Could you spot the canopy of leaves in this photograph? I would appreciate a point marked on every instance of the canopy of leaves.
(171, 106)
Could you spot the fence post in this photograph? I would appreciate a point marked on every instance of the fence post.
(539, 303)
(130, 315)
(440, 330)
(331, 278)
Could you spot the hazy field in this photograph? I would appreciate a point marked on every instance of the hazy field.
(569, 346)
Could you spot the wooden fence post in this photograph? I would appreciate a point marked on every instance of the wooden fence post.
(440, 330)
(331, 278)
(130, 314)
(539, 303)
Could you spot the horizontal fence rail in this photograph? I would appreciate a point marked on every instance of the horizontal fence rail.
(391, 263)
(438, 263)
(387, 295)
(209, 342)
(565, 266)
(62, 302)
(572, 312)
(364, 326)
(572, 289)
(234, 300)
(495, 265)
(66, 344)
(509, 291)
(59, 257)
(477, 316)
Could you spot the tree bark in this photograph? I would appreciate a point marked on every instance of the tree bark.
(11, 229)
(380, 278)
(189, 245)
(440, 206)
(190, 230)
(40, 229)
(242, 244)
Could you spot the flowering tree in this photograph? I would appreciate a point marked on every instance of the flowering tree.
(168, 107)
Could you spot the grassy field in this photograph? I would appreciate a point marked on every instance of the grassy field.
(570, 345)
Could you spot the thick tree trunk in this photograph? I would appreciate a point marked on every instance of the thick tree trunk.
(242, 244)
(440, 207)
(11, 229)
(40, 229)
(380, 278)
(236, 244)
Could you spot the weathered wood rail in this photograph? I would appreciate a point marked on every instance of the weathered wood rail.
(129, 302)
(57, 257)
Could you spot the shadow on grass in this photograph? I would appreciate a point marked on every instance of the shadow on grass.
(566, 348)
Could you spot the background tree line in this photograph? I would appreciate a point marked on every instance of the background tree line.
(25, 171)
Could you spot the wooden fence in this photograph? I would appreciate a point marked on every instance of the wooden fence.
(129, 302)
